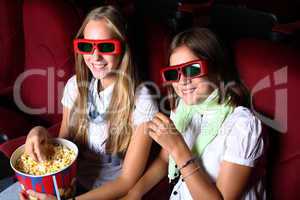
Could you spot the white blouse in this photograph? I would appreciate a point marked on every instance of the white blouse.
(239, 141)
(92, 173)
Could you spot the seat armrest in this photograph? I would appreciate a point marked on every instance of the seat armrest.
(8, 147)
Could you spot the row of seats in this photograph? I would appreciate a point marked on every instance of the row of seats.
(38, 59)
(271, 72)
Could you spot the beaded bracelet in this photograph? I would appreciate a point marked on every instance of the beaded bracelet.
(187, 163)
(192, 172)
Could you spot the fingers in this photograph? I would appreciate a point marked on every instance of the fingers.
(157, 121)
(29, 149)
(35, 142)
(34, 194)
(160, 123)
(163, 118)
(23, 195)
(152, 126)
(40, 196)
(153, 135)
(39, 152)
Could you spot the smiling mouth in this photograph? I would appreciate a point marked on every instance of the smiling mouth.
(99, 67)
(188, 91)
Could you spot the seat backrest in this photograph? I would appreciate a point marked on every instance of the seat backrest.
(236, 22)
(286, 11)
(49, 27)
(271, 71)
(11, 42)
(158, 39)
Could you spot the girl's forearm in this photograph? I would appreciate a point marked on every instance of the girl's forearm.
(121, 187)
(109, 191)
(198, 182)
(156, 172)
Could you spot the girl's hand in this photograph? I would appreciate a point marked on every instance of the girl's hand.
(164, 132)
(37, 195)
(35, 143)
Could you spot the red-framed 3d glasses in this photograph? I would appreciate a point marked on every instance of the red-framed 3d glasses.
(192, 69)
(105, 47)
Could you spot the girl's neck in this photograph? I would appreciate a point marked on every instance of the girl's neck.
(106, 82)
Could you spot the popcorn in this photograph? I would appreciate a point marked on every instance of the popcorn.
(58, 157)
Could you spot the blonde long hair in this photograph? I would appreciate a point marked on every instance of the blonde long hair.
(122, 101)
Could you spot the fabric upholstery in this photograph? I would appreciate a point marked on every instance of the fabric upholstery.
(11, 42)
(13, 123)
(49, 27)
(273, 70)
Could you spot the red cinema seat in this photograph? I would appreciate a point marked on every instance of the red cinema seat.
(158, 38)
(49, 27)
(11, 44)
(271, 71)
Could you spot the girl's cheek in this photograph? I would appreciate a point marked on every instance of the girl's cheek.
(86, 59)
(177, 91)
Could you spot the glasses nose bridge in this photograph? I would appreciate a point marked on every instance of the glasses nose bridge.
(179, 70)
(182, 78)
(96, 53)
(94, 47)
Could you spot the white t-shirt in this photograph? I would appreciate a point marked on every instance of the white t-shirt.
(92, 172)
(239, 141)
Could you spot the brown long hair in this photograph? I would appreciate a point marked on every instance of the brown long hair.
(121, 105)
(205, 45)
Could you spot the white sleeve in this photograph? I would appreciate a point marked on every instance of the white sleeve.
(244, 143)
(145, 106)
(70, 93)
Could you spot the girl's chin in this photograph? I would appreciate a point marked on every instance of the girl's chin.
(191, 99)
(100, 74)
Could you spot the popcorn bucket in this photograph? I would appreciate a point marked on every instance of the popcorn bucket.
(60, 183)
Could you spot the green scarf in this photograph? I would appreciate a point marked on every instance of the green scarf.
(183, 116)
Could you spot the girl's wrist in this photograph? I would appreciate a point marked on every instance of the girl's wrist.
(181, 153)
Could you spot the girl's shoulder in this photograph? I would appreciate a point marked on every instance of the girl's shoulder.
(243, 137)
(242, 121)
(70, 92)
(242, 114)
(143, 93)
(72, 82)
(145, 105)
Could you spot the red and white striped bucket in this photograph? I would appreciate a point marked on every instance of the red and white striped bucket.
(60, 183)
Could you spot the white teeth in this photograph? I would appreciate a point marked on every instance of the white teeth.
(98, 65)
(186, 91)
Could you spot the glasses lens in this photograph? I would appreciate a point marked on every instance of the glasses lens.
(171, 75)
(85, 47)
(106, 47)
(192, 70)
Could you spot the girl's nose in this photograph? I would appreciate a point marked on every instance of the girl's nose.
(184, 80)
(96, 55)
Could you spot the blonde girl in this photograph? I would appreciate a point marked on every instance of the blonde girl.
(104, 111)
